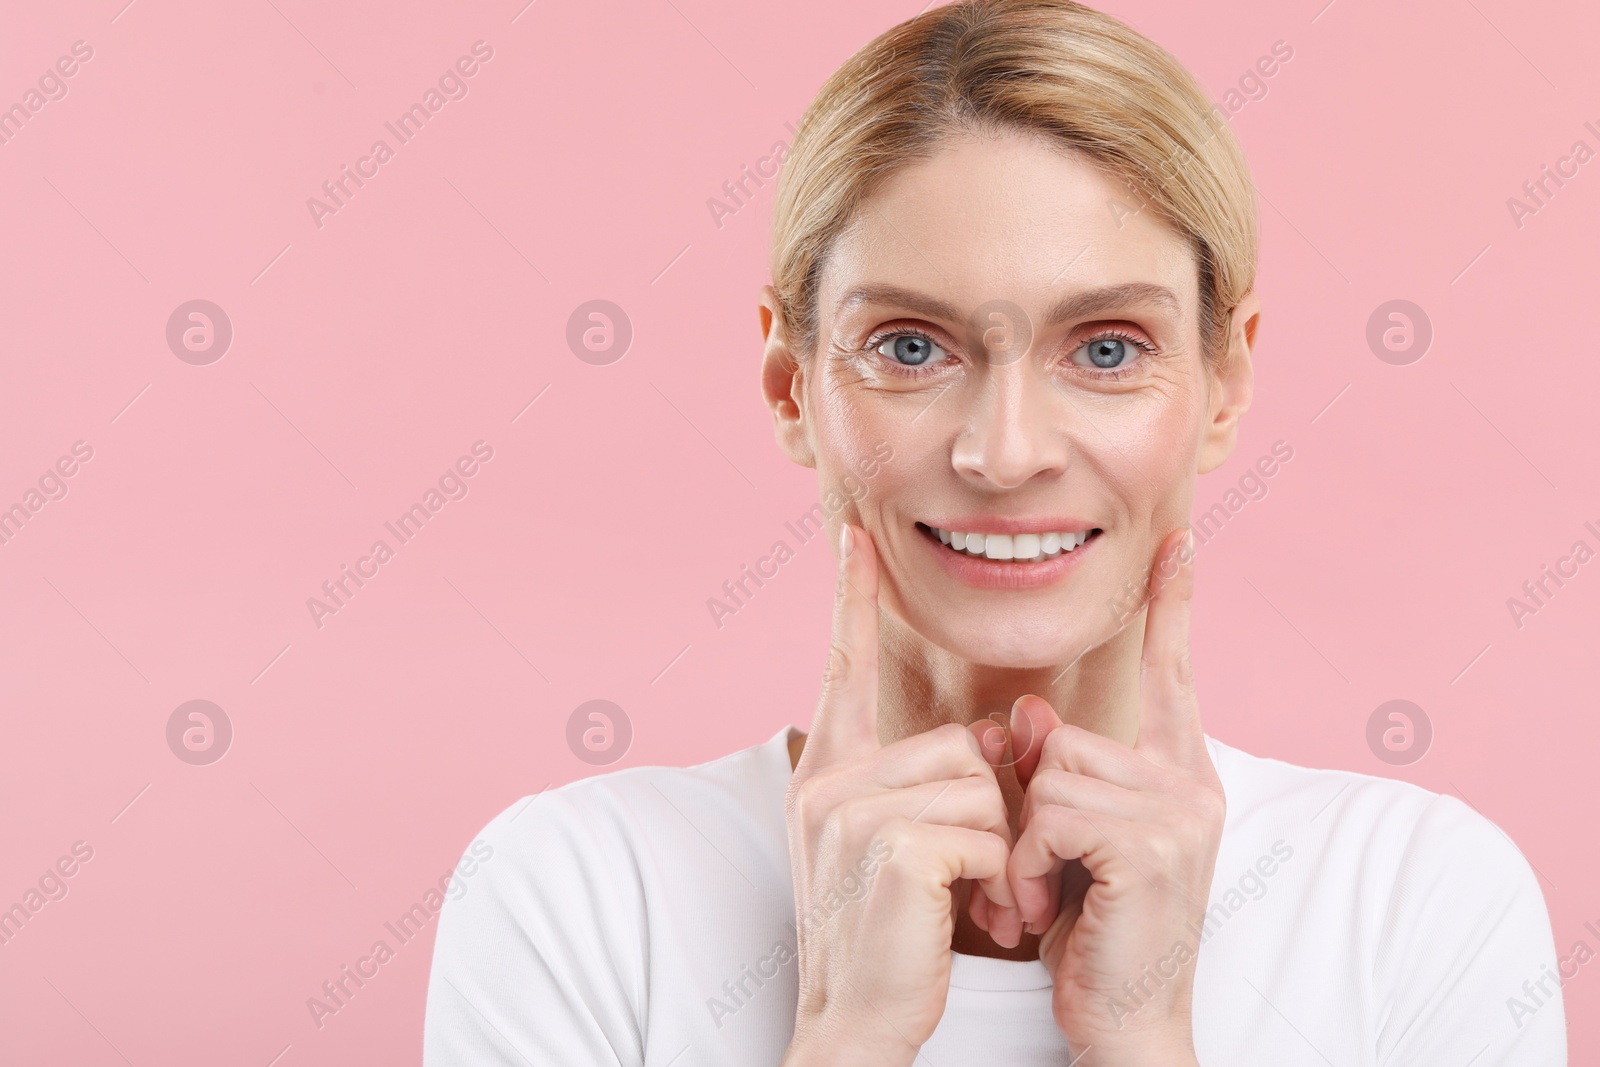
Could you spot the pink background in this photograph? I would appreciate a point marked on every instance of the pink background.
(369, 353)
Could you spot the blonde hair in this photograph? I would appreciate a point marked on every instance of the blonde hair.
(1079, 77)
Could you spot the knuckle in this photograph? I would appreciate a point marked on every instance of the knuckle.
(898, 834)
(805, 798)
(1052, 819)
(991, 854)
(980, 801)
(793, 796)
(1204, 803)
(1186, 839)
(959, 739)
(996, 813)
(836, 672)
(1166, 849)
(853, 820)
(1197, 841)
(1183, 670)
(1059, 746)
(1055, 788)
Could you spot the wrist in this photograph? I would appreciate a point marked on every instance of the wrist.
(1158, 1040)
(1166, 1054)
(814, 1054)
(820, 1045)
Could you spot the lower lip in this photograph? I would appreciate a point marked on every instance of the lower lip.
(985, 573)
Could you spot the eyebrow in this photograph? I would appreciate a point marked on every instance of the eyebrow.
(1078, 305)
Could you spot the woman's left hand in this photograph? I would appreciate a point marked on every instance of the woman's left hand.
(1125, 839)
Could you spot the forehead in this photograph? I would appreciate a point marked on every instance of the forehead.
(1011, 217)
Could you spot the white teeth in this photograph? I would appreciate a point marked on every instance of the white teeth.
(1025, 548)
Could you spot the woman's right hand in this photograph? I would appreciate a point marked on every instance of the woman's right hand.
(877, 836)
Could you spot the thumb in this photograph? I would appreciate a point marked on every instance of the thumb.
(1032, 719)
(1002, 923)
(991, 738)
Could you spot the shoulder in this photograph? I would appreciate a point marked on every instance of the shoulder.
(572, 888)
(1425, 902)
(625, 808)
(1255, 784)
(1339, 805)
(1390, 830)
(602, 840)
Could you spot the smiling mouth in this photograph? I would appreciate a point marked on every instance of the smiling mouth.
(1013, 548)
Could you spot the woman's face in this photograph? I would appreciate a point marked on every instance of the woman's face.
(1009, 347)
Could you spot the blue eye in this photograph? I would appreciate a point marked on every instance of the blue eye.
(1110, 353)
(911, 349)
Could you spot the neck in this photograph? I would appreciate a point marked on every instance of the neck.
(922, 686)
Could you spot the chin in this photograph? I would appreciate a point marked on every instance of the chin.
(1013, 643)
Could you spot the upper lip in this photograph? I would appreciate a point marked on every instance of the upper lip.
(993, 524)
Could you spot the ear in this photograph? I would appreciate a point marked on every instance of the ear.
(783, 383)
(1231, 385)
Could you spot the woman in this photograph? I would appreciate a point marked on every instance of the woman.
(1013, 259)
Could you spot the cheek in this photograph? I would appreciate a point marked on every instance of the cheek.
(1147, 451)
(852, 435)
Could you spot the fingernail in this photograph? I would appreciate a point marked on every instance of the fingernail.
(846, 541)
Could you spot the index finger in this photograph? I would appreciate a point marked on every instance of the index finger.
(1169, 719)
(846, 723)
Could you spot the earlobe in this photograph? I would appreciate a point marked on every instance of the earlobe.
(1233, 385)
(783, 384)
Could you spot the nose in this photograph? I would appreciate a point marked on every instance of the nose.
(1013, 432)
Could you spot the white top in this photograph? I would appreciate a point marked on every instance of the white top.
(646, 916)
